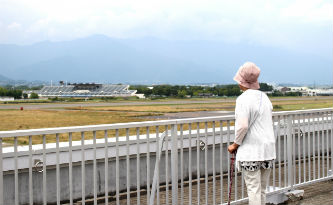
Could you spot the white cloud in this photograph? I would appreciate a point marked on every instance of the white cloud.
(308, 11)
(274, 23)
(14, 26)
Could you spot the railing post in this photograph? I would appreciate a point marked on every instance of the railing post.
(154, 185)
(174, 164)
(1, 174)
(290, 151)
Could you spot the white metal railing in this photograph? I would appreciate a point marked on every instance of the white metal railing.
(181, 161)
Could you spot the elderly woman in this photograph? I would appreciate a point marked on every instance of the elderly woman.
(254, 137)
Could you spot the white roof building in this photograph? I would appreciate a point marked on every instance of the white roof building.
(85, 90)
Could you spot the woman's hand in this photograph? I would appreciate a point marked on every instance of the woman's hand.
(232, 148)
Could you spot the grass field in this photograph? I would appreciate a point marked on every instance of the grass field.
(194, 107)
(78, 116)
(164, 108)
(30, 119)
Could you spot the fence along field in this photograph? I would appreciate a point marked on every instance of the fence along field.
(297, 130)
(79, 116)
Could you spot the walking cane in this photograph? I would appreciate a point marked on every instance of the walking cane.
(232, 163)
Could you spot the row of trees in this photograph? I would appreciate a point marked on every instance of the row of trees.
(17, 92)
(182, 91)
(12, 92)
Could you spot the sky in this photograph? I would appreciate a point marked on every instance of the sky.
(287, 24)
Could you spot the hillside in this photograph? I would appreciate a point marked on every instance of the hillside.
(102, 59)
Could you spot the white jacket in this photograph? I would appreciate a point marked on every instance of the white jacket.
(254, 127)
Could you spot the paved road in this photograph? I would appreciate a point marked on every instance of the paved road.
(61, 105)
(316, 193)
(181, 115)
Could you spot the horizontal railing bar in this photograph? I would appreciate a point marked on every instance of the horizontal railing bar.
(100, 142)
(37, 149)
(87, 128)
(122, 140)
(89, 148)
(111, 142)
(50, 151)
(294, 112)
(58, 130)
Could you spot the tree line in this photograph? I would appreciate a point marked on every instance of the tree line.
(17, 92)
(12, 92)
(182, 91)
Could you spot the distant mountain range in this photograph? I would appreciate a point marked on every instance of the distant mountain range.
(106, 60)
(3, 78)
(5, 81)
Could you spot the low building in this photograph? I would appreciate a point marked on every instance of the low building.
(206, 95)
(285, 89)
(6, 98)
(305, 91)
(298, 89)
(320, 92)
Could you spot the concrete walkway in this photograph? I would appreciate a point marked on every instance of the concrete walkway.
(211, 191)
(319, 193)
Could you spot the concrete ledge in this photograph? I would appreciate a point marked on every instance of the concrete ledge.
(283, 197)
(295, 195)
(276, 198)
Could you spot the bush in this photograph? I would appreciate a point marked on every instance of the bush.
(34, 96)
(277, 107)
(11, 92)
(54, 99)
(181, 93)
(108, 98)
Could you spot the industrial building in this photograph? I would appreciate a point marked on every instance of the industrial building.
(84, 90)
(305, 91)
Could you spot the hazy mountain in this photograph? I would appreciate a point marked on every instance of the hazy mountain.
(101, 59)
(277, 65)
(3, 78)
